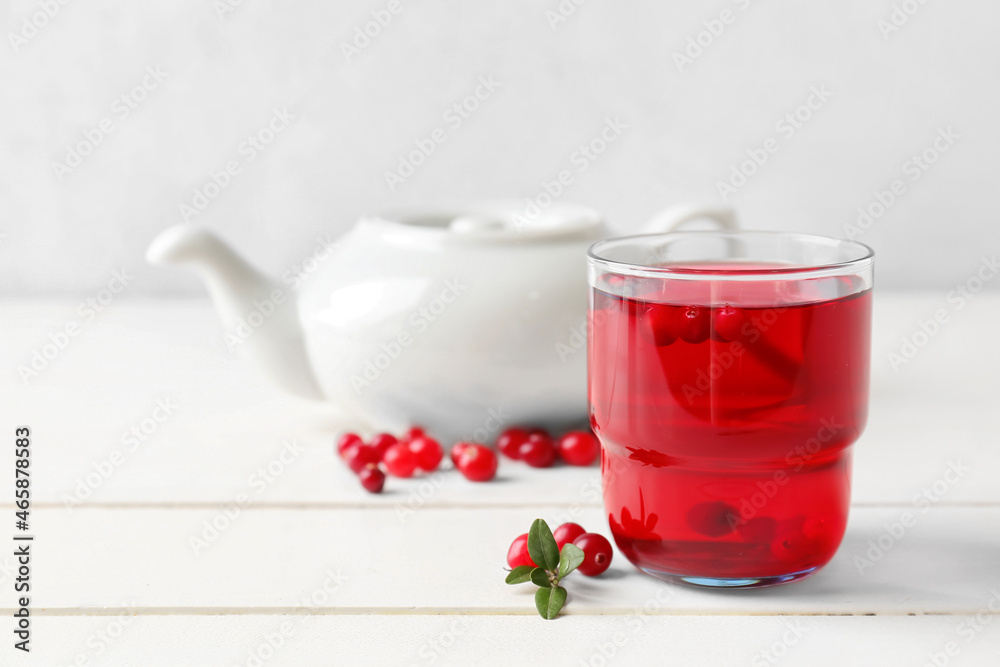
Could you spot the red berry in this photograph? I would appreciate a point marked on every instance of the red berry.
(477, 462)
(660, 326)
(518, 552)
(788, 543)
(456, 452)
(427, 451)
(510, 441)
(596, 553)
(400, 461)
(382, 442)
(695, 324)
(372, 478)
(579, 448)
(346, 441)
(567, 533)
(359, 456)
(728, 323)
(412, 434)
(538, 451)
(713, 518)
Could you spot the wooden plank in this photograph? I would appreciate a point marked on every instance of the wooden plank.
(759, 641)
(453, 560)
(228, 424)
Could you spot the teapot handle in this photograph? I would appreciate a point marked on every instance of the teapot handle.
(673, 217)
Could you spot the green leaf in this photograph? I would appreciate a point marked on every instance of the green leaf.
(520, 575)
(548, 601)
(542, 546)
(540, 577)
(569, 559)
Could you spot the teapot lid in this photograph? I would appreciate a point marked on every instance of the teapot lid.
(494, 221)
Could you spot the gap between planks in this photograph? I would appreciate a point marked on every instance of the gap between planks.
(448, 611)
(335, 504)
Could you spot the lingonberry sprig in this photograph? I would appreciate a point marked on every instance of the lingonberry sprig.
(553, 566)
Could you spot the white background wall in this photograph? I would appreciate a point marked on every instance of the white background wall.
(687, 126)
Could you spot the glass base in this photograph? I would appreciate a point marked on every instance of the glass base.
(743, 582)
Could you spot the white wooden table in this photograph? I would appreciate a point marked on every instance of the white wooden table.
(308, 569)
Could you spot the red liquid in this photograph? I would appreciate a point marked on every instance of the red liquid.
(726, 429)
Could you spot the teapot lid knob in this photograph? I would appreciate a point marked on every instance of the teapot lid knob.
(465, 224)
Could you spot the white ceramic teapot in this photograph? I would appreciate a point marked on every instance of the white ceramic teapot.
(462, 320)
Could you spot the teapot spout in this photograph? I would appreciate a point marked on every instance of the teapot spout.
(260, 316)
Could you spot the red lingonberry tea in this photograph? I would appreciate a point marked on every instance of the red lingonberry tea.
(727, 399)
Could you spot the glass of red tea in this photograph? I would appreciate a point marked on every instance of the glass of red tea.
(728, 380)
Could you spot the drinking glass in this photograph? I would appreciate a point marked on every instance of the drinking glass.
(728, 381)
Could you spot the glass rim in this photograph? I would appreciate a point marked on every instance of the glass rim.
(865, 258)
